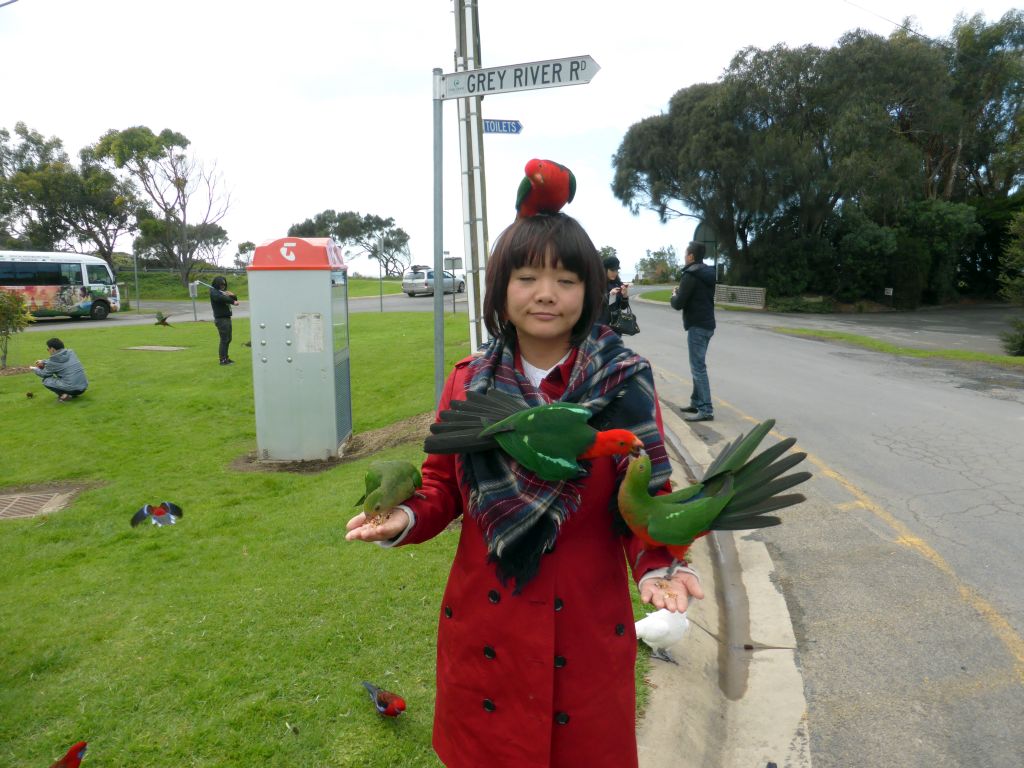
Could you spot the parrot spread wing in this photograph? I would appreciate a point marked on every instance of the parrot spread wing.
(735, 494)
(546, 439)
(164, 513)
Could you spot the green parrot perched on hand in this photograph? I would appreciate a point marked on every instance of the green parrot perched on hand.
(546, 439)
(735, 494)
(388, 484)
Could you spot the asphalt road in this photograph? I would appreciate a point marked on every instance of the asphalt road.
(902, 572)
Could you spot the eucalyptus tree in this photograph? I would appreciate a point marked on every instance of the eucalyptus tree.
(372, 235)
(187, 198)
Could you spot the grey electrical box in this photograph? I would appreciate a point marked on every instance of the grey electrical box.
(298, 305)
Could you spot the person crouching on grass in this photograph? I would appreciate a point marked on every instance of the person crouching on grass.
(536, 644)
(61, 372)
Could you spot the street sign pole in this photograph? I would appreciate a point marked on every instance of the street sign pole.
(438, 241)
(552, 73)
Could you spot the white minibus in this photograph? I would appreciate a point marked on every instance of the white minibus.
(59, 284)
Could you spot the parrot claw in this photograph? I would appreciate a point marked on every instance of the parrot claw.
(665, 655)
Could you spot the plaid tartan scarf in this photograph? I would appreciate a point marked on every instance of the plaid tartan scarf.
(519, 514)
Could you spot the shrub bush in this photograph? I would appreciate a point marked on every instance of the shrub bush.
(1013, 340)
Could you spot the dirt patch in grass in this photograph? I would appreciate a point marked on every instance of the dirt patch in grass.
(14, 370)
(362, 445)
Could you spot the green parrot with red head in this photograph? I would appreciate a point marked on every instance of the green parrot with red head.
(546, 188)
(734, 495)
(549, 439)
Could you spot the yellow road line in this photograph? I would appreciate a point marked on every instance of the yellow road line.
(905, 537)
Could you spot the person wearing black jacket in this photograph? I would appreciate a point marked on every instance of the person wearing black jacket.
(696, 297)
(221, 299)
(617, 292)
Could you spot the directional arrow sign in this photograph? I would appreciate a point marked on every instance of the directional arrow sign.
(502, 126)
(574, 70)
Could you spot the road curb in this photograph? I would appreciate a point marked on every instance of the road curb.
(736, 698)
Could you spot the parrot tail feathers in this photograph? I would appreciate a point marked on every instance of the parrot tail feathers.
(456, 438)
(763, 459)
(737, 452)
(750, 496)
(751, 481)
(745, 523)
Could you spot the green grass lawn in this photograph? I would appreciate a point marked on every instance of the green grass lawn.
(238, 637)
(880, 346)
(164, 286)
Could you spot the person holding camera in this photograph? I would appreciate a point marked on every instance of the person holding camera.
(617, 296)
(221, 299)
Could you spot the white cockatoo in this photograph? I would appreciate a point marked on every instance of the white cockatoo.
(662, 629)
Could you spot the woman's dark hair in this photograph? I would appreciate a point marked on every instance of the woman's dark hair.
(220, 283)
(55, 343)
(526, 242)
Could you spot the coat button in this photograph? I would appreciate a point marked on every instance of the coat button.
(493, 596)
(489, 705)
(562, 718)
(559, 662)
(620, 629)
(447, 611)
(489, 652)
(559, 604)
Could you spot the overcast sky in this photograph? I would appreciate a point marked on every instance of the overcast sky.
(307, 105)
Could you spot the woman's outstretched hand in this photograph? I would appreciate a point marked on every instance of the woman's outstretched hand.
(359, 529)
(672, 594)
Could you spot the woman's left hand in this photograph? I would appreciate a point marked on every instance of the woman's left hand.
(672, 594)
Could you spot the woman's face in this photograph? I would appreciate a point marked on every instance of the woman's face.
(544, 303)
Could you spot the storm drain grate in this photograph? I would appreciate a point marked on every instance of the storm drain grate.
(32, 504)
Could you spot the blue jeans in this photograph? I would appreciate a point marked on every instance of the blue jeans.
(697, 340)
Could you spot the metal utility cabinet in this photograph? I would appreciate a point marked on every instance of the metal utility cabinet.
(298, 298)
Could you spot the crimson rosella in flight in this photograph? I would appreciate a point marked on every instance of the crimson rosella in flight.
(164, 513)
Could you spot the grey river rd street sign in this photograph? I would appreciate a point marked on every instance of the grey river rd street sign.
(573, 70)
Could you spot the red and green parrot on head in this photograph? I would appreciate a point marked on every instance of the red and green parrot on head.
(546, 188)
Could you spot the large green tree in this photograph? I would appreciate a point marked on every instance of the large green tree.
(815, 167)
(372, 235)
(188, 199)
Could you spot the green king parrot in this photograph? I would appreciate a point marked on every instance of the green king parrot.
(735, 494)
(546, 188)
(546, 439)
(388, 484)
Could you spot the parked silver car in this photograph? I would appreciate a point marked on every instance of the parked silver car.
(420, 281)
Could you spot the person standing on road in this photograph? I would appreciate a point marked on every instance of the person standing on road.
(536, 643)
(221, 299)
(62, 373)
(695, 295)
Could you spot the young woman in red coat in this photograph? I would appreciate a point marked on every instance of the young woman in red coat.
(536, 645)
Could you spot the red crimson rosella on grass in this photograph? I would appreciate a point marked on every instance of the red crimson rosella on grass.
(546, 439)
(73, 758)
(734, 495)
(164, 513)
(546, 188)
(387, 704)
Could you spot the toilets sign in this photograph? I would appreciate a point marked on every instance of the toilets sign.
(575, 70)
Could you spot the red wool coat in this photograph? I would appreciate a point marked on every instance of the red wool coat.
(542, 679)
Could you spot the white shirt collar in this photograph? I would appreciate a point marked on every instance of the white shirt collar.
(537, 375)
